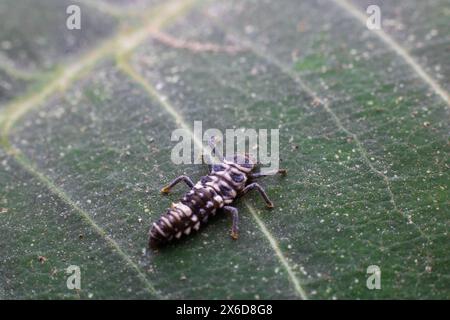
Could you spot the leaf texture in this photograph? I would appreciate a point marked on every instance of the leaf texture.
(363, 118)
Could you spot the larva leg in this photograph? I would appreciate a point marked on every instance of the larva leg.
(186, 179)
(271, 173)
(235, 226)
(253, 186)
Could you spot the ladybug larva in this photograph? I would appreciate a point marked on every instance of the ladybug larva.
(230, 178)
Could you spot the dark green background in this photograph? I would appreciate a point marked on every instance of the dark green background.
(86, 118)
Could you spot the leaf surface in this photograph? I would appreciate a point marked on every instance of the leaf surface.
(363, 120)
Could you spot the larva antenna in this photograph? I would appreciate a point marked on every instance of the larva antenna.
(215, 154)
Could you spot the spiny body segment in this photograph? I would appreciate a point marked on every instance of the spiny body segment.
(227, 180)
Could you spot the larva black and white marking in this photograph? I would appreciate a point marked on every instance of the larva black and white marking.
(231, 178)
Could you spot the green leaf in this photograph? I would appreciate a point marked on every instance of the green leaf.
(363, 118)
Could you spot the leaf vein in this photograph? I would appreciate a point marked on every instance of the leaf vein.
(402, 52)
(120, 42)
(26, 164)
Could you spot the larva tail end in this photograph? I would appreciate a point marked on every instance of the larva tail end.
(153, 243)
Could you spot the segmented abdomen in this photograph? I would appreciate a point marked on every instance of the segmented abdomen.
(193, 210)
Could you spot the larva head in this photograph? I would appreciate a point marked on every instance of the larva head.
(244, 163)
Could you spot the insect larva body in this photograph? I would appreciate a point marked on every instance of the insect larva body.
(227, 180)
